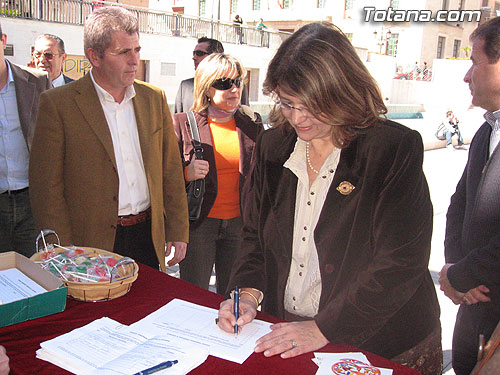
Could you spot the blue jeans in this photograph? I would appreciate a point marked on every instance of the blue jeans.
(449, 137)
(17, 227)
(214, 241)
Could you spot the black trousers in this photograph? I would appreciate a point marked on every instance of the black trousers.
(136, 242)
(471, 322)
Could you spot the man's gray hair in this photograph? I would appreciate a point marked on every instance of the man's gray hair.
(55, 38)
(101, 24)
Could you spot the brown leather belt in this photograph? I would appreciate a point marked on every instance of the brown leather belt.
(129, 220)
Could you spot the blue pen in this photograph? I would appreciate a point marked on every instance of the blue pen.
(157, 368)
(236, 308)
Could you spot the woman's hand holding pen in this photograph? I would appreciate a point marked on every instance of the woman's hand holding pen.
(197, 169)
(291, 339)
(247, 313)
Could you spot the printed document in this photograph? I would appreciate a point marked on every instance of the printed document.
(15, 285)
(195, 323)
(106, 347)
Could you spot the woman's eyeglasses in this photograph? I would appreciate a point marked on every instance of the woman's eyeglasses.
(200, 53)
(48, 55)
(226, 83)
(287, 108)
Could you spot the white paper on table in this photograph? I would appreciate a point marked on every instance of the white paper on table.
(327, 360)
(196, 323)
(106, 347)
(15, 285)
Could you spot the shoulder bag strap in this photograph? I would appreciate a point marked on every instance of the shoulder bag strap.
(198, 150)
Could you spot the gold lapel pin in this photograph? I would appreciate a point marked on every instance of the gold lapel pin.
(345, 188)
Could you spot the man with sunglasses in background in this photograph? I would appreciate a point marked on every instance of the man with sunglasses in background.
(184, 99)
(20, 89)
(49, 55)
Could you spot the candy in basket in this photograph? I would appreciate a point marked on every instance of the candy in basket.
(90, 274)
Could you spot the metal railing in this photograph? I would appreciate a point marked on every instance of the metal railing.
(75, 12)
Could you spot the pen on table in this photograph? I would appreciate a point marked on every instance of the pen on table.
(236, 308)
(157, 368)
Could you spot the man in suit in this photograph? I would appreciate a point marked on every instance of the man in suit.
(20, 88)
(49, 55)
(184, 99)
(472, 243)
(105, 166)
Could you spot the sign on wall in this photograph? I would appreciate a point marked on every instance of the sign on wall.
(76, 66)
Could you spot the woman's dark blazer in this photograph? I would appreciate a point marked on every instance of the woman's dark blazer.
(248, 126)
(373, 242)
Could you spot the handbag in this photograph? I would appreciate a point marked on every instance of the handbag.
(195, 189)
(440, 132)
(488, 358)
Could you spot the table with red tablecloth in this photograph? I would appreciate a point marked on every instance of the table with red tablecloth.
(150, 291)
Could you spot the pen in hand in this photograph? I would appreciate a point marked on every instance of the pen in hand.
(236, 308)
(157, 368)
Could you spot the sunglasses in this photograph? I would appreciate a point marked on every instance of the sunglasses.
(200, 53)
(227, 83)
(48, 55)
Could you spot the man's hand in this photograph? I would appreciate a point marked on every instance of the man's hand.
(179, 252)
(445, 285)
(473, 296)
(476, 295)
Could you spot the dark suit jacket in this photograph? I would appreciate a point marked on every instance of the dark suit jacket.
(373, 244)
(472, 230)
(29, 84)
(67, 79)
(73, 173)
(248, 126)
(184, 98)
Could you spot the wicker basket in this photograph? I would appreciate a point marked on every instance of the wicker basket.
(103, 290)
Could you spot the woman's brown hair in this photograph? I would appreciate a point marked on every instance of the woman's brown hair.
(318, 65)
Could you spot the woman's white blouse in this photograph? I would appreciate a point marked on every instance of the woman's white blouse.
(303, 289)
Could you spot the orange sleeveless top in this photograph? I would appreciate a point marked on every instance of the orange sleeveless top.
(227, 160)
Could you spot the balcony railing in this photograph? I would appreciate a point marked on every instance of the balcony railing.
(75, 12)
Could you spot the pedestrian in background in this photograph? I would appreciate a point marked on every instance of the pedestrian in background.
(451, 129)
(238, 23)
(264, 37)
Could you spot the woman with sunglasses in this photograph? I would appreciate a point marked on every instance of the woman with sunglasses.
(337, 229)
(228, 132)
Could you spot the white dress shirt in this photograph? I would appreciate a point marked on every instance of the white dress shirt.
(14, 153)
(303, 288)
(493, 119)
(133, 188)
(59, 81)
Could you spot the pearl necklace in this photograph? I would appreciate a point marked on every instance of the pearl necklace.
(309, 160)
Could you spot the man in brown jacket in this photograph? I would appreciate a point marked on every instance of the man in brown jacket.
(105, 169)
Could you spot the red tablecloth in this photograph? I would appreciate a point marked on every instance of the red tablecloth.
(150, 291)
